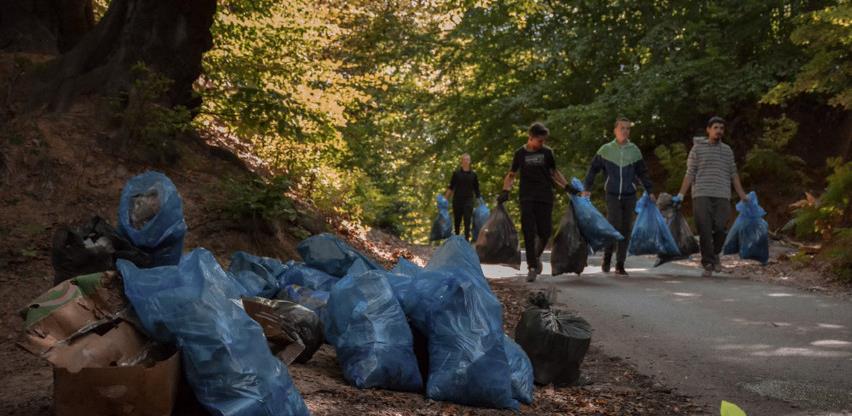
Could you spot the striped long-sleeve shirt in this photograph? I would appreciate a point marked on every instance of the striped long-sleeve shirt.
(711, 167)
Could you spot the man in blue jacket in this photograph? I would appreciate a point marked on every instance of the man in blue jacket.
(622, 162)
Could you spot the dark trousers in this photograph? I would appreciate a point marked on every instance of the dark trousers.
(711, 217)
(463, 211)
(619, 213)
(536, 223)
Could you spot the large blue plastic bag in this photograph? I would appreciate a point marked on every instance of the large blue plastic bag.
(370, 333)
(406, 267)
(328, 253)
(162, 235)
(451, 303)
(442, 227)
(225, 355)
(258, 275)
(402, 276)
(309, 277)
(749, 236)
(315, 300)
(651, 234)
(522, 371)
(480, 216)
(594, 227)
(467, 358)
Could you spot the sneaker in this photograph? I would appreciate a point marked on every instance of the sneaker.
(531, 275)
(717, 267)
(539, 267)
(605, 266)
(619, 270)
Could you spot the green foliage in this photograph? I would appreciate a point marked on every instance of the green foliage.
(144, 117)
(826, 37)
(258, 200)
(838, 254)
(832, 211)
(673, 159)
(769, 163)
(367, 105)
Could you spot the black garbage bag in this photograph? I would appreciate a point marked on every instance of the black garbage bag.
(90, 248)
(294, 332)
(556, 342)
(570, 252)
(497, 242)
(682, 234)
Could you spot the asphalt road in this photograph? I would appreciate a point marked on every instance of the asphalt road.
(772, 350)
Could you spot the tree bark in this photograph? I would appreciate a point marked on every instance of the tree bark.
(44, 26)
(169, 37)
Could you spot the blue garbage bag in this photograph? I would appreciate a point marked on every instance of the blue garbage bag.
(442, 227)
(450, 302)
(467, 356)
(309, 277)
(225, 355)
(370, 333)
(406, 267)
(259, 276)
(150, 215)
(315, 300)
(480, 216)
(651, 234)
(401, 278)
(358, 267)
(749, 236)
(330, 254)
(522, 371)
(594, 227)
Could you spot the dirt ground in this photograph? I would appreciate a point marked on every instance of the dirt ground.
(616, 388)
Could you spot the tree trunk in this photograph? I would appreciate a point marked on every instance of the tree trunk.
(169, 37)
(44, 26)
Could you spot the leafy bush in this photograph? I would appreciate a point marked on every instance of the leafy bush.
(146, 119)
(258, 200)
(832, 211)
(838, 254)
(673, 159)
(770, 164)
(831, 220)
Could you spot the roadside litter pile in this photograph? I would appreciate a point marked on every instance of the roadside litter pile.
(132, 315)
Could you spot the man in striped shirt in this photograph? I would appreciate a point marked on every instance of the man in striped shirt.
(710, 171)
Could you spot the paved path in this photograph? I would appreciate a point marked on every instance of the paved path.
(772, 350)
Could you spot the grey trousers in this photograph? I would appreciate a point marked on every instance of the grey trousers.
(711, 218)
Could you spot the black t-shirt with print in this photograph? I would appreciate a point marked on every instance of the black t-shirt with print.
(536, 173)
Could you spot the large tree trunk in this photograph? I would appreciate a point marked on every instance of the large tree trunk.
(168, 36)
(44, 26)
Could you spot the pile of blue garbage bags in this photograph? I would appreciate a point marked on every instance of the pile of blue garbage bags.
(368, 314)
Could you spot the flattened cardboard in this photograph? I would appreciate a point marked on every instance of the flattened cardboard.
(121, 344)
(113, 391)
(70, 309)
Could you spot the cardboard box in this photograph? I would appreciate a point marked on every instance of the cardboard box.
(113, 391)
(103, 365)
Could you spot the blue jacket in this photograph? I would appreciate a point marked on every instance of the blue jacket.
(624, 168)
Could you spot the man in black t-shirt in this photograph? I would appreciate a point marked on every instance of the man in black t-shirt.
(537, 167)
(464, 186)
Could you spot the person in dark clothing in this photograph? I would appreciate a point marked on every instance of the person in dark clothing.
(537, 167)
(464, 186)
(622, 163)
